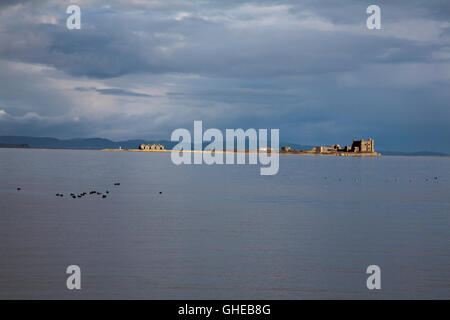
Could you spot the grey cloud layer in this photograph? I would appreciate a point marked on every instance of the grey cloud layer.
(243, 41)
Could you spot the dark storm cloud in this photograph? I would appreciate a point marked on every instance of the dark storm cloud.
(112, 43)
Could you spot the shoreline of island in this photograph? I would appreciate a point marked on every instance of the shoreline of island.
(300, 152)
(359, 148)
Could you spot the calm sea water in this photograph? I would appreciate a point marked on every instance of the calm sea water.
(222, 232)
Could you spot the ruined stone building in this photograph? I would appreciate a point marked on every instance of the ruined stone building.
(363, 145)
(359, 147)
(322, 149)
(151, 147)
(356, 147)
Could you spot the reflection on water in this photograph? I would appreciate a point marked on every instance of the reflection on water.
(222, 231)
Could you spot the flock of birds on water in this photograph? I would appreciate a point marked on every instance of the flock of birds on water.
(81, 195)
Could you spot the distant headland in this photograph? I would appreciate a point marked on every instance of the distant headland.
(11, 145)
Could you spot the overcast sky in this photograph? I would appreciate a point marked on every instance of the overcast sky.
(140, 69)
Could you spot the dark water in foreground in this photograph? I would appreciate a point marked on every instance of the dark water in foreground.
(223, 231)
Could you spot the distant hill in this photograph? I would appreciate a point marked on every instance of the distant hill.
(100, 143)
(8, 145)
(90, 143)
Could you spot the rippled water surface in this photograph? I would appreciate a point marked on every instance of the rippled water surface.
(222, 232)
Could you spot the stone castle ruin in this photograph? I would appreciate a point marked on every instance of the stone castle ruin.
(358, 148)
